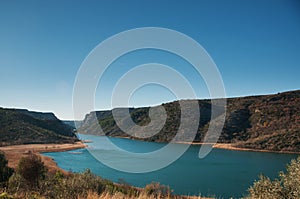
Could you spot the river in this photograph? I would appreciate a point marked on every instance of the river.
(222, 173)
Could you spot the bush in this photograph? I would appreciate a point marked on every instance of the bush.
(5, 195)
(157, 190)
(5, 171)
(71, 186)
(32, 170)
(78, 185)
(286, 187)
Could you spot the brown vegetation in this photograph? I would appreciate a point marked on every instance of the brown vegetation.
(15, 153)
(287, 186)
(31, 180)
(266, 123)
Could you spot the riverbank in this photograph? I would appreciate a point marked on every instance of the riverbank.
(227, 146)
(15, 152)
(235, 148)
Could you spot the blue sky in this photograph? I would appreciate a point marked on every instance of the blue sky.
(254, 43)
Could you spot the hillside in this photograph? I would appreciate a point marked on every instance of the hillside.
(270, 122)
(72, 123)
(19, 126)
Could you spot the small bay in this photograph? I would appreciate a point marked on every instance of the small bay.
(223, 173)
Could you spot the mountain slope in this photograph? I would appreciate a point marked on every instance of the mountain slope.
(270, 122)
(19, 126)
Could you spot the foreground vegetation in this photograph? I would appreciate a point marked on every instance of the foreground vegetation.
(32, 180)
(287, 186)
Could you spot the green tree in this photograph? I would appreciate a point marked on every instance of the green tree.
(5, 171)
(32, 169)
(287, 186)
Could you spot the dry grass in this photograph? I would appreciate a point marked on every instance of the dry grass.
(143, 195)
(229, 146)
(14, 153)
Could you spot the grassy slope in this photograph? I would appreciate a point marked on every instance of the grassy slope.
(270, 122)
(25, 127)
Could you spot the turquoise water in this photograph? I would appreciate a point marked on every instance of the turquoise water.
(223, 173)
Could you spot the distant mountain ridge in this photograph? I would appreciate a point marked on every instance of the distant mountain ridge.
(20, 126)
(270, 122)
(72, 123)
(37, 115)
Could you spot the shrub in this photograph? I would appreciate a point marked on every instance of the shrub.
(32, 170)
(287, 186)
(157, 190)
(81, 186)
(5, 171)
(71, 186)
(5, 195)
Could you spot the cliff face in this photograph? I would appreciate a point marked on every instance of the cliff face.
(269, 122)
(19, 126)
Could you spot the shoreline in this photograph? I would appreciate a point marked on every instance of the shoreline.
(226, 146)
(14, 153)
(229, 146)
(234, 148)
